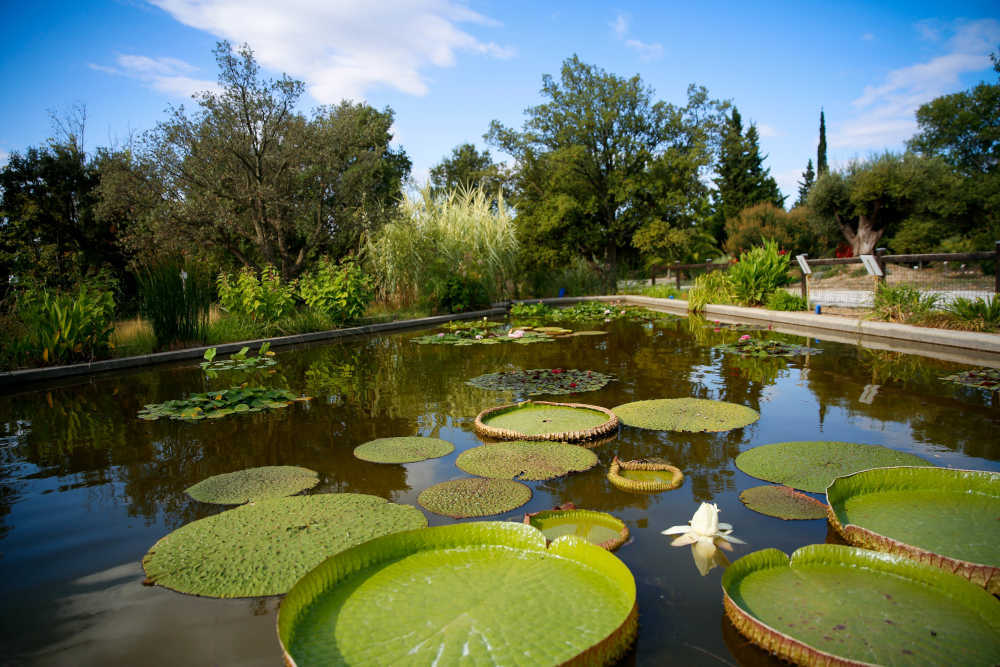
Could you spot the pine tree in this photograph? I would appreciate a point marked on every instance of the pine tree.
(805, 185)
(821, 165)
(763, 187)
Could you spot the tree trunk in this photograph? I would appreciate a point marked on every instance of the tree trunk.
(867, 236)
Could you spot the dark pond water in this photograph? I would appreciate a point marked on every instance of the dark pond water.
(86, 488)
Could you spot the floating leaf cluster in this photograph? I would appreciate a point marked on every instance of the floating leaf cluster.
(812, 466)
(263, 548)
(216, 404)
(236, 488)
(584, 311)
(981, 378)
(543, 381)
(544, 420)
(493, 337)
(782, 502)
(685, 414)
(474, 496)
(755, 347)
(408, 449)
(239, 361)
(529, 460)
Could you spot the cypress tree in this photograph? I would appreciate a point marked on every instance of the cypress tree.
(821, 166)
(805, 185)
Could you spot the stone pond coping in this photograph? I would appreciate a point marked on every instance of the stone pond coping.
(960, 346)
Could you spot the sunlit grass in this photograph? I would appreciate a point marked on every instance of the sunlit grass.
(133, 337)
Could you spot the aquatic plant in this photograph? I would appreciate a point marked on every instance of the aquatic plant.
(782, 502)
(644, 475)
(492, 337)
(600, 528)
(981, 378)
(544, 420)
(526, 460)
(238, 361)
(748, 346)
(706, 535)
(474, 496)
(221, 403)
(408, 449)
(253, 484)
(543, 381)
(685, 414)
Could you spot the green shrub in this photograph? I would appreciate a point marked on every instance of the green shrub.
(175, 298)
(975, 311)
(261, 298)
(712, 287)
(65, 327)
(902, 303)
(457, 293)
(782, 300)
(758, 273)
(655, 291)
(576, 278)
(342, 293)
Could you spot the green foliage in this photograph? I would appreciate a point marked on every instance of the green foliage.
(575, 277)
(342, 292)
(822, 166)
(685, 414)
(747, 346)
(902, 303)
(260, 298)
(457, 293)
(660, 291)
(175, 298)
(986, 311)
(712, 287)
(805, 185)
(531, 311)
(661, 243)
(467, 168)
(782, 300)
(64, 327)
(238, 361)
(758, 273)
(217, 404)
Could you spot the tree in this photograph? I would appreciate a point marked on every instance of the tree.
(251, 178)
(797, 231)
(468, 169)
(821, 165)
(873, 197)
(808, 178)
(593, 159)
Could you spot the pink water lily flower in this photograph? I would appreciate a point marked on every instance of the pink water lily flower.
(745, 337)
(479, 337)
(517, 333)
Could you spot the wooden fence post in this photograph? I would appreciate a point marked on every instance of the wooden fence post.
(805, 282)
(881, 265)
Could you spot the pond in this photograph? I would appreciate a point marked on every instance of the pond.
(86, 488)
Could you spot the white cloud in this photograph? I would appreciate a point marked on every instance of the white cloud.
(166, 75)
(765, 130)
(620, 26)
(645, 50)
(341, 48)
(886, 111)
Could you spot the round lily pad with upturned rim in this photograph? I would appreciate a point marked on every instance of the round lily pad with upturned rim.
(407, 449)
(485, 592)
(685, 414)
(644, 476)
(832, 604)
(236, 488)
(474, 496)
(942, 517)
(544, 420)
(524, 459)
(813, 465)
(600, 528)
(263, 548)
(782, 502)
(542, 381)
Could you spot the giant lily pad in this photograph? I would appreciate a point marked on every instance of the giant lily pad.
(542, 381)
(263, 548)
(542, 420)
(487, 593)
(832, 604)
(403, 450)
(782, 502)
(981, 378)
(685, 414)
(812, 466)
(644, 476)
(474, 496)
(600, 528)
(236, 488)
(521, 459)
(942, 517)
(221, 403)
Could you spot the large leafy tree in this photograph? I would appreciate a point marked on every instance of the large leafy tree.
(595, 160)
(467, 168)
(250, 177)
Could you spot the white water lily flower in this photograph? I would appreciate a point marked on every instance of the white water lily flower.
(706, 534)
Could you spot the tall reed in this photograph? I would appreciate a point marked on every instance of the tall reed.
(175, 298)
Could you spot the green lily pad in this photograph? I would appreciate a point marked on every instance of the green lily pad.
(753, 347)
(644, 476)
(215, 404)
(685, 414)
(830, 603)
(483, 593)
(589, 333)
(263, 548)
(783, 502)
(937, 516)
(469, 337)
(522, 459)
(543, 420)
(542, 381)
(474, 496)
(981, 378)
(812, 466)
(403, 449)
(236, 488)
(600, 528)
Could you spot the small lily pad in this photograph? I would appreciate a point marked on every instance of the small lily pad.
(600, 528)
(543, 381)
(521, 459)
(543, 420)
(215, 404)
(236, 488)
(474, 496)
(783, 502)
(644, 476)
(265, 547)
(589, 333)
(403, 449)
(753, 347)
(685, 414)
(938, 516)
(981, 378)
(812, 466)
(832, 604)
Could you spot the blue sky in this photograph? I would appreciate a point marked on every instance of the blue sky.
(448, 68)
